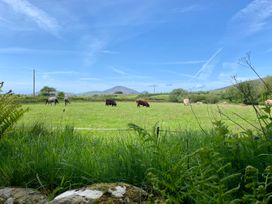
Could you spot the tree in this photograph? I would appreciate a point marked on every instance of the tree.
(118, 92)
(177, 95)
(232, 94)
(61, 94)
(266, 89)
(46, 90)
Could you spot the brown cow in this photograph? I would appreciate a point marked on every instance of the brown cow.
(142, 102)
(186, 101)
(268, 102)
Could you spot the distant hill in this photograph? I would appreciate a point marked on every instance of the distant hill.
(123, 89)
(254, 82)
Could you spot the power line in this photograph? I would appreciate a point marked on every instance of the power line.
(154, 87)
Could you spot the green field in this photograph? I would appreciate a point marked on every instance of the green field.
(184, 166)
(174, 116)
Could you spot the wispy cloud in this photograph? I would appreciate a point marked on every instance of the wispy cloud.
(178, 62)
(94, 47)
(253, 17)
(61, 72)
(47, 75)
(88, 79)
(3, 20)
(178, 74)
(206, 70)
(118, 71)
(268, 50)
(40, 17)
(189, 8)
(109, 52)
(228, 70)
(22, 50)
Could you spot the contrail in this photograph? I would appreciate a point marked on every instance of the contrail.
(204, 66)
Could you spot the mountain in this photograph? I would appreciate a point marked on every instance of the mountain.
(123, 89)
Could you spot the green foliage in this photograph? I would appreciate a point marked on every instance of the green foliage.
(249, 92)
(257, 190)
(10, 112)
(118, 92)
(232, 94)
(177, 95)
(182, 167)
(61, 94)
(205, 180)
(46, 91)
(266, 89)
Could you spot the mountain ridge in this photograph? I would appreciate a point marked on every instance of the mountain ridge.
(123, 89)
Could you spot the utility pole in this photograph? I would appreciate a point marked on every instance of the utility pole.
(154, 87)
(34, 82)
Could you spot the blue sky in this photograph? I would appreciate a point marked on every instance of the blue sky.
(83, 45)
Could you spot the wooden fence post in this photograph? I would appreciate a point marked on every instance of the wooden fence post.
(158, 131)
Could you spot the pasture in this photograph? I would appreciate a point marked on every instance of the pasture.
(41, 154)
(174, 116)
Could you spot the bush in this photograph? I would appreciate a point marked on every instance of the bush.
(10, 112)
(177, 95)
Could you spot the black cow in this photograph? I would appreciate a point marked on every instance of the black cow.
(142, 103)
(110, 102)
(52, 99)
(66, 100)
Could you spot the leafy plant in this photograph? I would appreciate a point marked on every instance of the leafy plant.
(10, 111)
(257, 191)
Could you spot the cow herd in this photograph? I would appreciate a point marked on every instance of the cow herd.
(54, 100)
(111, 102)
(139, 102)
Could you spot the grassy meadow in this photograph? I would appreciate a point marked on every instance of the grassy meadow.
(222, 165)
(174, 116)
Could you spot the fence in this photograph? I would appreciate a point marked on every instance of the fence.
(158, 130)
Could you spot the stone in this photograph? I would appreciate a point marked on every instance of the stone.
(116, 193)
(21, 196)
(103, 193)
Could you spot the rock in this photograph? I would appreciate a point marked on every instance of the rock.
(103, 193)
(97, 193)
(21, 196)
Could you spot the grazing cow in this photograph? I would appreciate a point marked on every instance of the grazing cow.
(52, 99)
(268, 102)
(110, 102)
(66, 100)
(142, 103)
(186, 101)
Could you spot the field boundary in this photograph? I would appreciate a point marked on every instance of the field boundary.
(104, 129)
(158, 130)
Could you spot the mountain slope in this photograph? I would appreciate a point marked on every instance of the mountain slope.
(122, 89)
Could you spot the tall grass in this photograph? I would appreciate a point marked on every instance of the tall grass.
(58, 159)
(183, 167)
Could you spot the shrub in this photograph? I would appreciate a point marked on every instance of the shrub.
(177, 95)
(10, 111)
